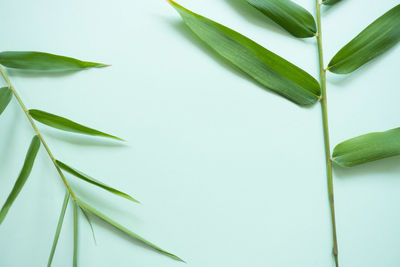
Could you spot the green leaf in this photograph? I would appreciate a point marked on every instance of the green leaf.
(289, 15)
(66, 124)
(93, 181)
(75, 258)
(93, 211)
(5, 98)
(367, 147)
(330, 2)
(267, 68)
(28, 60)
(90, 224)
(58, 230)
(376, 39)
(23, 176)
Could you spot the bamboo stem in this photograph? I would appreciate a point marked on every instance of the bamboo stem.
(324, 109)
(35, 128)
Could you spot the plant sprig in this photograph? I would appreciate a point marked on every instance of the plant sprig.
(279, 75)
(44, 62)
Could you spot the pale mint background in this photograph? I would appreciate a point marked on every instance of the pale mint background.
(230, 175)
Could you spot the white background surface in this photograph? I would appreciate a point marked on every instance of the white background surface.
(229, 174)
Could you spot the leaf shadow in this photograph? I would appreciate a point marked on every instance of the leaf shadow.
(82, 140)
(327, 9)
(193, 39)
(40, 74)
(388, 165)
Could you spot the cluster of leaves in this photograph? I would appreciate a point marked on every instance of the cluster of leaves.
(44, 62)
(284, 78)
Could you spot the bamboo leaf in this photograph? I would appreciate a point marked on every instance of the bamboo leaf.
(58, 230)
(267, 68)
(5, 98)
(367, 147)
(90, 224)
(66, 124)
(93, 211)
(75, 258)
(330, 2)
(23, 176)
(289, 15)
(376, 39)
(29, 60)
(93, 181)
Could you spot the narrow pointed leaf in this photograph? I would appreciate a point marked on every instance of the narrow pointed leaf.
(75, 257)
(29, 60)
(265, 67)
(66, 124)
(289, 15)
(376, 39)
(330, 2)
(93, 181)
(100, 215)
(367, 147)
(58, 230)
(90, 224)
(5, 98)
(23, 176)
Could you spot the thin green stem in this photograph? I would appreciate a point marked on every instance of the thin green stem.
(35, 128)
(75, 259)
(326, 132)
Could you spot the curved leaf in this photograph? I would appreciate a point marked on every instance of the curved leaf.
(29, 60)
(330, 2)
(58, 230)
(367, 147)
(267, 68)
(289, 15)
(66, 124)
(5, 98)
(23, 176)
(93, 211)
(93, 181)
(376, 39)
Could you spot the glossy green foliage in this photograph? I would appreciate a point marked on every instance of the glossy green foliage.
(376, 39)
(267, 68)
(289, 15)
(28, 60)
(331, 2)
(5, 98)
(128, 232)
(59, 226)
(66, 124)
(368, 147)
(23, 176)
(93, 181)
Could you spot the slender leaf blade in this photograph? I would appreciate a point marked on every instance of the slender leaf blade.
(5, 98)
(64, 124)
(125, 230)
(330, 2)
(265, 67)
(23, 176)
(368, 147)
(90, 224)
(39, 61)
(289, 15)
(75, 257)
(59, 226)
(93, 181)
(376, 39)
